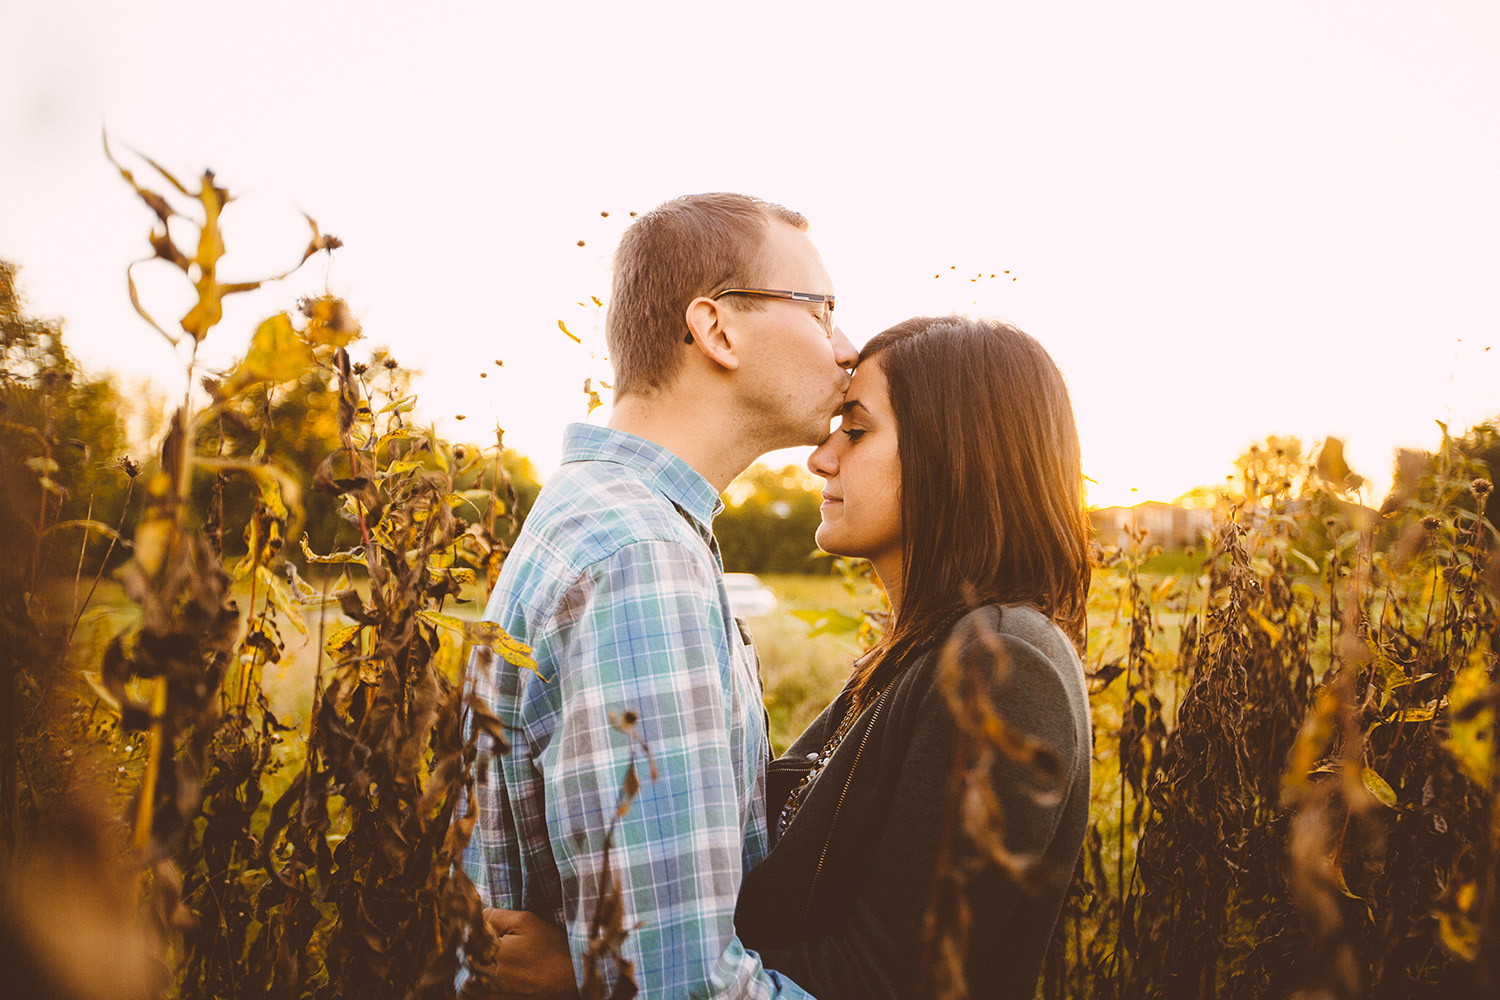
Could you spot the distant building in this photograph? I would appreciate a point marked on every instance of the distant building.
(1165, 524)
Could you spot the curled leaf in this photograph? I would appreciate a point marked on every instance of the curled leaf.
(1379, 787)
(483, 633)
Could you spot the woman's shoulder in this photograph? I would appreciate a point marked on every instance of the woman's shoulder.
(1034, 650)
(1012, 625)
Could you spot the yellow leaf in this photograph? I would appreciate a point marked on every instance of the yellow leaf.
(333, 325)
(1331, 464)
(400, 466)
(210, 241)
(1423, 714)
(404, 405)
(1338, 875)
(564, 328)
(152, 536)
(351, 556)
(483, 633)
(342, 641)
(370, 671)
(282, 601)
(1379, 787)
(1312, 740)
(397, 434)
(1470, 739)
(1460, 935)
(277, 354)
(1265, 624)
(828, 622)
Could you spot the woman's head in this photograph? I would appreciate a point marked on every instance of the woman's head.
(972, 420)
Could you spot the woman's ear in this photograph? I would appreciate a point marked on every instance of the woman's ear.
(708, 331)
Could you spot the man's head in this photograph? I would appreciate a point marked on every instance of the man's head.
(674, 307)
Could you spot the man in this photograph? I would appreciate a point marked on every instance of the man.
(721, 334)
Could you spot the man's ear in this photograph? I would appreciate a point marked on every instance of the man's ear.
(708, 331)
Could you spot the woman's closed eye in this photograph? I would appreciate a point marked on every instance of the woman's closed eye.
(853, 433)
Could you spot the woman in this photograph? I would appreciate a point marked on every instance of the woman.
(955, 472)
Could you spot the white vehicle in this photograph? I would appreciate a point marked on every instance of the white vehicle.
(748, 597)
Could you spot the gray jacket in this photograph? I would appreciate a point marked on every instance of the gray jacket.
(841, 903)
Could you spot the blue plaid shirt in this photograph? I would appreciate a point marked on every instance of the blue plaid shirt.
(616, 584)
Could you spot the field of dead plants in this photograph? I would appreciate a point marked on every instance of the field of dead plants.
(235, 761)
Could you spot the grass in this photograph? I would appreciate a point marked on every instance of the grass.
(804, 672)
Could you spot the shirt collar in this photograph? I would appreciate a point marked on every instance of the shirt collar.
(659, 468)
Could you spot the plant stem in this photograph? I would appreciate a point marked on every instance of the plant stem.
(144, 810)
(124, 512)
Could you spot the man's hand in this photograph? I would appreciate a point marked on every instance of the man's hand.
(532, 961)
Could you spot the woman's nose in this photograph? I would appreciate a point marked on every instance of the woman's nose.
(823, 462)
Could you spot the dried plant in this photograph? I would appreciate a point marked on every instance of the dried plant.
(1297, 771)
(1322, 821)
(316, 864)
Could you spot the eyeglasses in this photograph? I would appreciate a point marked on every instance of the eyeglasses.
(825, 317)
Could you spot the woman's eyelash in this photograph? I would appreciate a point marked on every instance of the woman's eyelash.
(853, 433)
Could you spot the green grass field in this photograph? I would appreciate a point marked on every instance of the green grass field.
(804, 672)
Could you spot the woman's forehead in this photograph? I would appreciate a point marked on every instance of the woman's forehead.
(869, 376)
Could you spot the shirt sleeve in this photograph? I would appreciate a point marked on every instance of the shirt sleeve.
(641, 632)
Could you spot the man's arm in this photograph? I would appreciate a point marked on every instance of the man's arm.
(647, 638)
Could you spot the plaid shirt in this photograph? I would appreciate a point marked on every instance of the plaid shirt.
(616, 584)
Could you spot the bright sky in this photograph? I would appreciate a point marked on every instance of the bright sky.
(1223, 220)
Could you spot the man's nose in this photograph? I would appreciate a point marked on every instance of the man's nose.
(844, 352)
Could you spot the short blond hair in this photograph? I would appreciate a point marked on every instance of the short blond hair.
(695, 245)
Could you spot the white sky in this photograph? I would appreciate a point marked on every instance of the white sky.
(1223, 220)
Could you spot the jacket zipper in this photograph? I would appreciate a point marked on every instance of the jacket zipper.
(849, 780)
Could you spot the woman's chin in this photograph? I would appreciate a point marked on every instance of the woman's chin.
(829, 543)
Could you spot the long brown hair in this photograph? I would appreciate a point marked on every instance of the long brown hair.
(991, 483)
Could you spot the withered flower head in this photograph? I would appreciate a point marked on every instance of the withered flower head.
(458, 452)
(1431, 523)
(390, 364)
(1481, 488)
(131, 467)
(360, 367)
